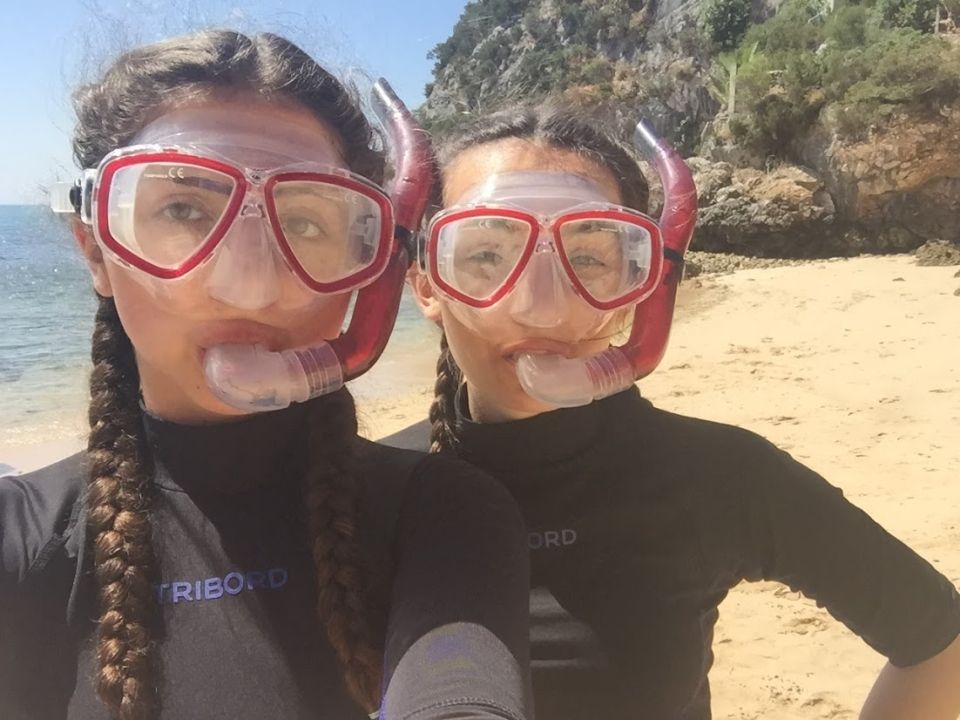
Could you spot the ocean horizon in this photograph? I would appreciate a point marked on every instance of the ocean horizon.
(47, 306)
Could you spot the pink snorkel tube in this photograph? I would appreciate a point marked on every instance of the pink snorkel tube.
(377, 305)
(253, 379)
(568, 382)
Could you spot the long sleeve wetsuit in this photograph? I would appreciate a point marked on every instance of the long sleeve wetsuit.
(240, 638)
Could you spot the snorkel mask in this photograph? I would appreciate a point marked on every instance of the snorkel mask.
(547, 252)
(178, 210)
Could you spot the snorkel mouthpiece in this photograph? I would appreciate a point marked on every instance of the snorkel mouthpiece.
(253, 379)
(568, 382)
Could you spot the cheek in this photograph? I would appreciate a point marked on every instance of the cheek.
(478, 358)
(322, 319)
(154, 323)
(614, 331)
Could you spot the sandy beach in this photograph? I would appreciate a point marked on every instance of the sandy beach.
(851, 365)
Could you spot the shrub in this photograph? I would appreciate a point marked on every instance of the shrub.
(847, 27)
(727, 21)
(913, 14)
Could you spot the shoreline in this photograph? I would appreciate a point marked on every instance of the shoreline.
(382, 412)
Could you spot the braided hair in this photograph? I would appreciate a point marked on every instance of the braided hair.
(443, 408)
(553, 127)
(138, 87)
(117, 498)
(330, 495)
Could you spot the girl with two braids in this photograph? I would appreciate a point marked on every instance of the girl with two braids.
(639, 520)
(203, 560)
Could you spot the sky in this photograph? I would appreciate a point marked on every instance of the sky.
(49, 47)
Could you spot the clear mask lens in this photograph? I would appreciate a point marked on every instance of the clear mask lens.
(606, 258)
(168, 213)
(609, 258)
(165, 213)
(477, 255)
(333, 232)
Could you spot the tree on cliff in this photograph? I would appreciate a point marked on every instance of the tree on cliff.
(727, 21)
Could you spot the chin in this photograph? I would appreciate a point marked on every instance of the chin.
(535, 407)
(519, 403)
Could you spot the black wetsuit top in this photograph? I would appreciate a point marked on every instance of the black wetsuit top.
(640, 521)
(444, 545)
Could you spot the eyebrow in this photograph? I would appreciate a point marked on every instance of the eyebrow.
(316, 192)
(221, 188)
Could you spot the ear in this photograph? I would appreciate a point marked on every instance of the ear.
(427, 300)
(83, 234)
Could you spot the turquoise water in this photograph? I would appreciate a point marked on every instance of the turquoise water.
(46, 317)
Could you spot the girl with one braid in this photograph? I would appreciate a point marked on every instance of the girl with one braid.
(227, 546)
(554, 291)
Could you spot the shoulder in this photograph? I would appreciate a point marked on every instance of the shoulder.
(409, 473)
(385, 467)
(706, 451)
(445, 478)
(419, 511)
(708, 436)
(38, 514)
(728, 473)
(412, 437)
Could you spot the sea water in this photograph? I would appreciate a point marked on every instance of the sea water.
(47, 306)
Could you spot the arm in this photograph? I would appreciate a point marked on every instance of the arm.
(38, 512)
(457, 637)
(801, 531)
(929, 690)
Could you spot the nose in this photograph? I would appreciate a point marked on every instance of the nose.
(540, 297)
(244, 273)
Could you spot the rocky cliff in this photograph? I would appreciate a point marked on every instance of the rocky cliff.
(626, 55)
(891, 192)
(890, 186)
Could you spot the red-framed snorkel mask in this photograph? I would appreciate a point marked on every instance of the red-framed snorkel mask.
(186, 210)
(544, 255)
(578, 381)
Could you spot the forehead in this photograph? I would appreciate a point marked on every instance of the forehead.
(248, 130)
(471, 166)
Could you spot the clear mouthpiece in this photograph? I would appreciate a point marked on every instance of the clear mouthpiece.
(254, 379)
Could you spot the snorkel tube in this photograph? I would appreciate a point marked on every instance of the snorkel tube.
(568, 382)
(253, 379)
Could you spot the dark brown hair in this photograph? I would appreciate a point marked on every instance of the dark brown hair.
(549, 126)
(133, 91)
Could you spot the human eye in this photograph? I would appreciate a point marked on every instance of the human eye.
(485, 257)
(183, 211)
(589, 249)
(587, 261)
(303, 228)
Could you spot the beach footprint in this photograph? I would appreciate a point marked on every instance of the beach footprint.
(805, 625)
(825, 705)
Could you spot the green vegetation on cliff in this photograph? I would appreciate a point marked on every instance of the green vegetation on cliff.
(861, 64)
(766, 73)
